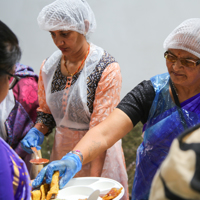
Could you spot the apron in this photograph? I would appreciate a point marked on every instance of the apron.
(163, 125)
(73, 118)
(5, 108)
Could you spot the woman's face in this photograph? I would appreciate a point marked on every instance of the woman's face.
(69, 42)
(4, 84)
(180, 74)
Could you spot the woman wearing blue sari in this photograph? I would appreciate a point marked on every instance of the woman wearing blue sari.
(167, 104)
(14, 177)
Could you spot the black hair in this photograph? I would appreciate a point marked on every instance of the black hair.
(10, 52)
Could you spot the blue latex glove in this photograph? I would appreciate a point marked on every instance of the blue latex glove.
(32, 139)
(68, 166)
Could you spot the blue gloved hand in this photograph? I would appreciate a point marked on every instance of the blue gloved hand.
(68, 166)
(32, 139)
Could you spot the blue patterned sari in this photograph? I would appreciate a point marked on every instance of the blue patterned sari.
(165, 122)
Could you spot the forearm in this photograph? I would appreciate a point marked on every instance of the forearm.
(45, 121)
(91, 145)
(104, 135)
(97, 165)
(107, 96)
(42, 128)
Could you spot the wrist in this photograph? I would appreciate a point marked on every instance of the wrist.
(78, 156)
(74, 157)
(78, 153)
(41, 127)
(40, 135)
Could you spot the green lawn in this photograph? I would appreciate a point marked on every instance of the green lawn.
(130, 144)
(47, 145)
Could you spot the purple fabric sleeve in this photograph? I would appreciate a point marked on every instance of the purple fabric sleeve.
(6, 187)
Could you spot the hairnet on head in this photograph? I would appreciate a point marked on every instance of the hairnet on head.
(186, 37)
(75, 15)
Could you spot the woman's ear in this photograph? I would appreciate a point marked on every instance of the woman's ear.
(87, 24)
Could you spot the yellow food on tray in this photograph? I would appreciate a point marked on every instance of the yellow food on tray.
(114, 192)
(36, 195)
(54, 186)
(47, 191)
(44, 190)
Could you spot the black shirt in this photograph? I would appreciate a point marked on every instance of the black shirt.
(137, 103)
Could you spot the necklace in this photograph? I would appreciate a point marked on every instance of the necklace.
(175, 88)
(79, 65)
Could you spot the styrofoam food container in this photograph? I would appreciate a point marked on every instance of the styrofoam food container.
(80, 188)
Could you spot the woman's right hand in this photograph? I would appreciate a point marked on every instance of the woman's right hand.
(68, 166)
(33, 138)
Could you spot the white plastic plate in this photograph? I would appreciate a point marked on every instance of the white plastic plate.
(81, 188)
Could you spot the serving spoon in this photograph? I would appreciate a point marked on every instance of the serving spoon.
(38, 160)
(94, 195)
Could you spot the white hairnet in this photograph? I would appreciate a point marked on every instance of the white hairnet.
(75, 15)
(186, 37)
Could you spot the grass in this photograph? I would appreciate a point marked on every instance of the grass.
(130, 144)
(47, 145)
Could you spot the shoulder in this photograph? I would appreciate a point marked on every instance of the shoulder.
(25, 71)
(51, 62)
(107, 58)
(137, 103)
(144, 89)
(160, 80)
(105, 62)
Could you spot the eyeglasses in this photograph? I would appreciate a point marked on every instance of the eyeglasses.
(13, 81)
(185, 62)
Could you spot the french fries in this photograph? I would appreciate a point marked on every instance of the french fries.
(47, 191)
(44, 190)
(54, 187)
(36, 195)
(114, 192)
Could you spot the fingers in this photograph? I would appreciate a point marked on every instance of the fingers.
(31, 143)
(52, 167)
(49, 171)
(25, 143)
(39, 179)
(26, 147)
(38, 147)
(68, 175)
(55, 166)
(65, 179)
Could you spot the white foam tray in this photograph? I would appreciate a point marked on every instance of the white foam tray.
(80, 188)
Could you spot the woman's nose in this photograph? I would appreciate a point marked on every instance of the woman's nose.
(59, 42)
(177, 65)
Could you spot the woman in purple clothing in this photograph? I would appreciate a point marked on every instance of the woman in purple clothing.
(14, 177)
(18, 112)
